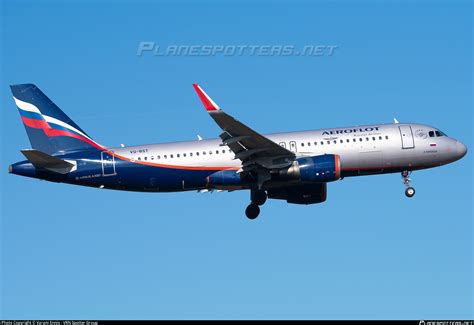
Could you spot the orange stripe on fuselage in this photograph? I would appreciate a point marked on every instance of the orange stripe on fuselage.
(338, 171)
(41, 124)
(169, 166)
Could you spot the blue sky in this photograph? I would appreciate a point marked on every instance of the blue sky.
(368, 252)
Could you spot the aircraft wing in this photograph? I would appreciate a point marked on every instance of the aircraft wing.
(252, 148)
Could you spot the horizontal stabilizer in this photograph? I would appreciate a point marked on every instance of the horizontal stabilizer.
(42, 160)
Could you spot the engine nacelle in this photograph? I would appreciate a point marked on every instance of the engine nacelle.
(225, 178)
(323, 168)
(300, 194)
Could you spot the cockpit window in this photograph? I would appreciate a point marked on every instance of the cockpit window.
(436, 133)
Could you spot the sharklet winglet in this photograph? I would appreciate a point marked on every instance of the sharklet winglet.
(208, 103)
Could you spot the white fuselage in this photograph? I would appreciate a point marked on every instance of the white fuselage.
(369, 148)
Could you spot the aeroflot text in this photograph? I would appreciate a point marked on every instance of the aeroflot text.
(369, 129)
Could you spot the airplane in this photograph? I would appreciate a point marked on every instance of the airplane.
(291, 166)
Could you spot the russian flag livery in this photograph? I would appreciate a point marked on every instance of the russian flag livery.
(49, 129)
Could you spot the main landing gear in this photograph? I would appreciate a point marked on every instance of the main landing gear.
(409, 191)
(257, 197)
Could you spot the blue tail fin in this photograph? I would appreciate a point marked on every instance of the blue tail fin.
(49, 129)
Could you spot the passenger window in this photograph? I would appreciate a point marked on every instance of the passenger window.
(335, 141)
(302, 144)
(329, 142)
(341, 141)
(386, 137)
(139, 158)
(322, 142)
(190, 154)
(152, 158)
(360, 139)
(354, 140)
(146, 158)
(197, 153)
(177, 155)
(380, 137)
(373, 138)
(309, 144)
(204, 153)
(347, 140)
(367, 139)
(210, 152)
(184, 155)
(315, 143)
(158, 157)
(165, 157)
(217, 152)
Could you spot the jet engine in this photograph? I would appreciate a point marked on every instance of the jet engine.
(323, 168)
(223, 178)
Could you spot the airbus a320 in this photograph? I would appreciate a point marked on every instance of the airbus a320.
(291, 166)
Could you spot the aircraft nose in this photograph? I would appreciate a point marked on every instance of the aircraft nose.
(461, 149)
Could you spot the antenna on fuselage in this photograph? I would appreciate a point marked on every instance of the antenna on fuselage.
(199, 137)
(395, 121)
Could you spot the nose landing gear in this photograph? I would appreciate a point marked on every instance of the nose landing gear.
(257, 197)
(409, 191)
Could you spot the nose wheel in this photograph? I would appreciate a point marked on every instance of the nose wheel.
(409, 191)
(257, 197)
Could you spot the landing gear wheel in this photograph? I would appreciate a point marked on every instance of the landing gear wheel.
(252, 211)
(410, 191)
(258, 197)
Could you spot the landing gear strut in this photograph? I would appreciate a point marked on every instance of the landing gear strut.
(257, 197)
(409, 191)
